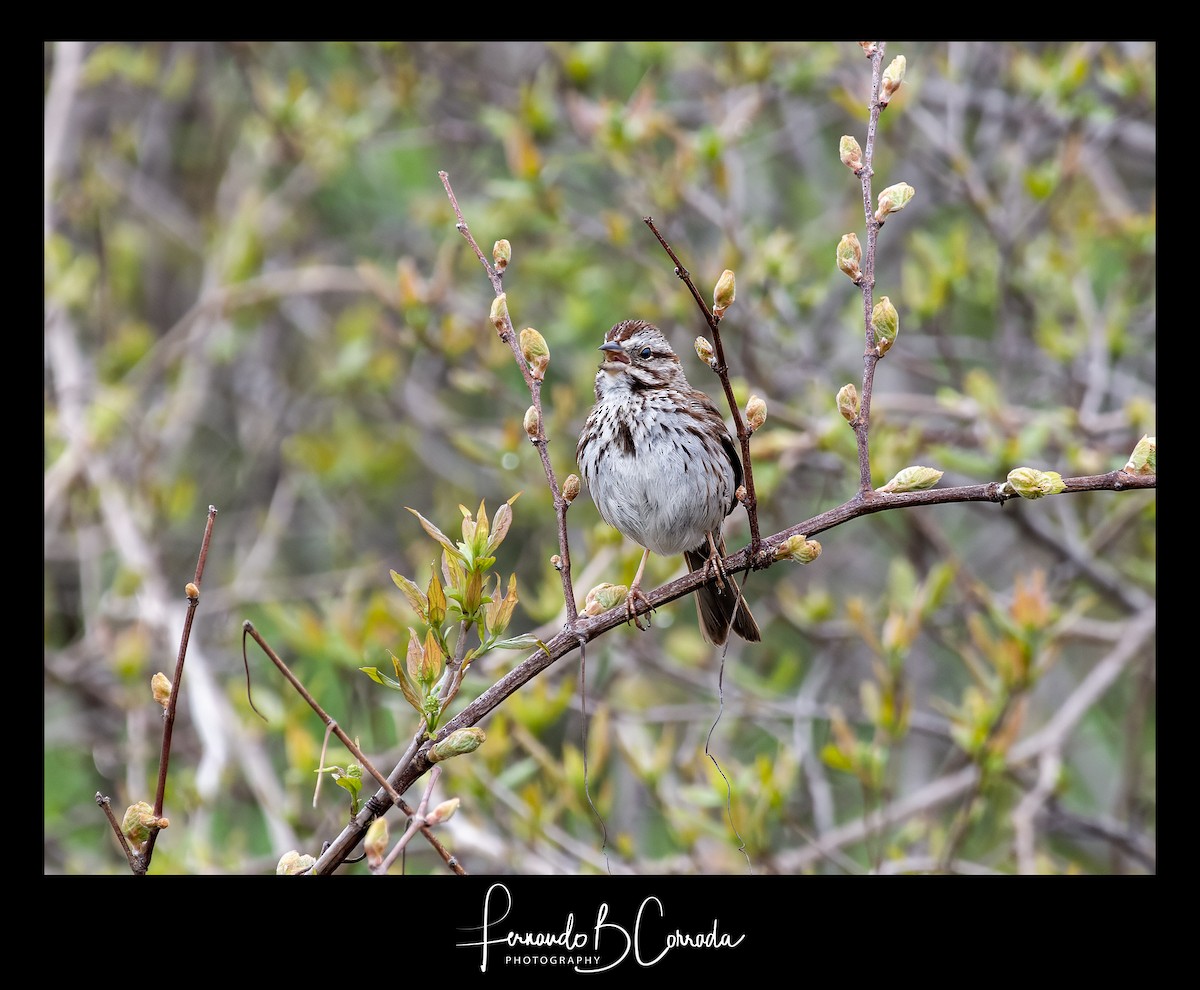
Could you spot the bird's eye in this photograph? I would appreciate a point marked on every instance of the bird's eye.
(645, 352)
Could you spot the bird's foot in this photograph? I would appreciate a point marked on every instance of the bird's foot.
(631, 604)
(714, 565)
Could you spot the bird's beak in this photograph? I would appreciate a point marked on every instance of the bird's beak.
(614, 353)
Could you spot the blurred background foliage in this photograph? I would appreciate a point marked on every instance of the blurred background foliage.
(256, 298)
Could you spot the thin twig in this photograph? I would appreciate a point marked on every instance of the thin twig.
(508, 335)
(385, 785)
(136, 862)
(164, 760)
(415, 824)
(588, 628)
(722, 370)
(862, 423)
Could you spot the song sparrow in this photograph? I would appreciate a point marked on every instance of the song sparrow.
(662, 468)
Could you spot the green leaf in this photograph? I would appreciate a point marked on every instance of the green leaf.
(452, 571)
(436, 533)
(381, 678)
(479, 537)
(500, 524)
(437, 601)
(406, 685)
(522, 642)
(415, 598)
(352, 784)
(415, 656)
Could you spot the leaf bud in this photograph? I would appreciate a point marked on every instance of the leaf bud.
(535, 351)
(499, 313)
(893, 76)
(1031, 483)
(292, 863)
(1144, 459)
(724, 293)
(756, 412)
(501, 254)
(893, 199)
(913, 479)
(799, 548)
(885, 321)
(138, 824)
(376, 842)
(160, 687)
(603, 597)
(848, 403)
(443, 812)
(458, 743)
(532, 422)
(850, 153)
(570, 489)
(849, 255)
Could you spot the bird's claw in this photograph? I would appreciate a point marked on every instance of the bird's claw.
(631, 603)
(715, 566)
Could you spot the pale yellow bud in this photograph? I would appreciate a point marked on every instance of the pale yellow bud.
(501, 254)
(848, 403)
(893, 76)
(192, 592)
(1144, 459)
(724, 293)
(443, 812)
(849, 255)
(1031, 483)
(139, 823)
(160, 687)
(535, 351)
(799, 548)
(756, 412)
(893, 199)
(499, 313)
(570, 488)
(885, 321)
(850, 153)
(913, 479)
(292, 863)
(603, 597)
(556, 561)
(532, 422)
(704, 350)
(458, 743)
(376, 842)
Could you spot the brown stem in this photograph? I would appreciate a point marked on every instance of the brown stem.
(862, 424)
(164, 759)
(136, 863)
(589, 628)
(391, 793)
(415, 824)
(722, 370)
(508, 334)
